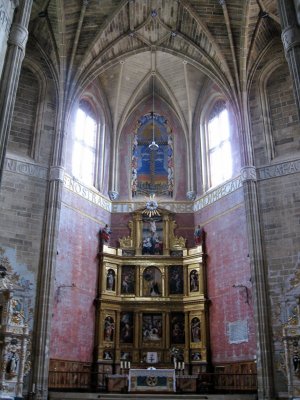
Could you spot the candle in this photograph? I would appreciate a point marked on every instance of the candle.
(129, 364)
(183, 365)
(33, 388)
(122, 365)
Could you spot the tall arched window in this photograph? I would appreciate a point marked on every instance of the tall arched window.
(85, 144)
(218, 145)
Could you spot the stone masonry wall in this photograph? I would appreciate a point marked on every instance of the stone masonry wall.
(283, 112)
(22, 129)
(232, 331)
(279, 204)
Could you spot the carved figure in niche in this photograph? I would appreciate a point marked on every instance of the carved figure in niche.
(198, 235)
(17, 314)
(105, 233)
(128, 279)
(152, 282)
(194, 281)
(12, 363)
(176, 280)
(152, 227)
(109, 328)
(107, 355)
(152, 243)
(177, 328)
(125, 356)
(296, 362)
(110, 280)
(195, 330)
(126, 328)
(152, 327)
(196, 356)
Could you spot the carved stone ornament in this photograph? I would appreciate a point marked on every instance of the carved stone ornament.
(126, 242)
(248, 173)
(113, 195)
(14, 338)
(18, 36)
(191, 195)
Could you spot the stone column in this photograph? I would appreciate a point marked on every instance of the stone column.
(10, 78)
(45, 286)
(265, 377)
(7, 9)
(289, 11)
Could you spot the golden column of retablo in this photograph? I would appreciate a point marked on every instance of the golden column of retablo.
(166, 235)
(138, 238)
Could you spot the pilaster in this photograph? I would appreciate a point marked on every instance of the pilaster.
(43, 316)
(8, 88)
(258, 266)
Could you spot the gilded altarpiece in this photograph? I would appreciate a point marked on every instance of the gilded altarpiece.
(152, 302)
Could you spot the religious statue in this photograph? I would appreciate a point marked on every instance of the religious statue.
(110, 280)
(109, 327)
(12, 364)
(195, 330)
(198, 235)
(105, 233)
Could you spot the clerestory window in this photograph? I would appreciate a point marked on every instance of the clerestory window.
(218, 145)
(85, 144)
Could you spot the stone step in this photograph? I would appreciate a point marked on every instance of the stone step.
(134, 396)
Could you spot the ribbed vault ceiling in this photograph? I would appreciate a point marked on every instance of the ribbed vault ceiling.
(187, 43)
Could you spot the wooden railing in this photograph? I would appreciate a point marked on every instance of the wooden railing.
(77, 380)
(222, 382)
(205, 382)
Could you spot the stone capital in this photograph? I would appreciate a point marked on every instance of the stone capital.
(248, 173)
(18, 36)
(191, 195)
(113, 195)
(56, 174)
(290, 37)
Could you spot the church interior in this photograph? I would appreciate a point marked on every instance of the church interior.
(150, 206)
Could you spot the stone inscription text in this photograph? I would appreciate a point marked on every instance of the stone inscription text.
(217, 194)
(86, 193)
(273, 171)
(25, 168)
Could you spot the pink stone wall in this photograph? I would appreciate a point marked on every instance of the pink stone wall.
(73, 324)
(228, 265)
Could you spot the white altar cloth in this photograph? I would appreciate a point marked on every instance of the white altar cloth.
(151, 380)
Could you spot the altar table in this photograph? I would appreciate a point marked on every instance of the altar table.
(151, 380)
